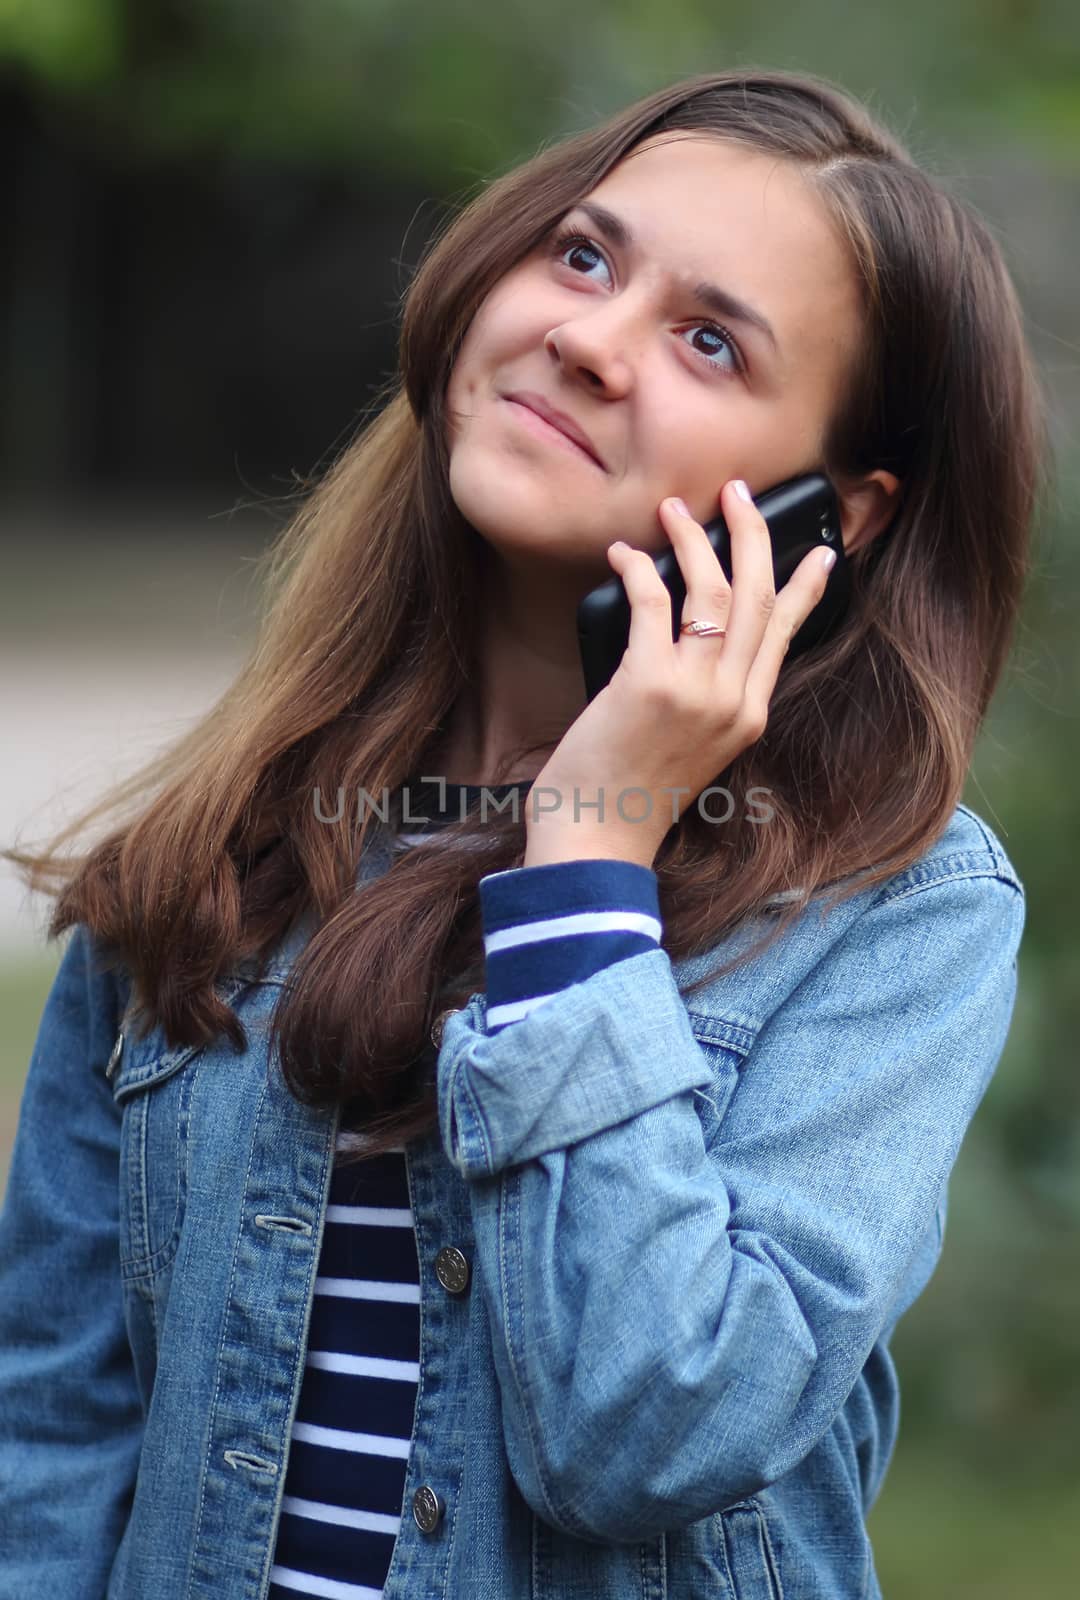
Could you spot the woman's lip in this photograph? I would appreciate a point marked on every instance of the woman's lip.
(546, 430)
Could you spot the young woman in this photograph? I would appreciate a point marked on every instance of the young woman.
(414, 1201)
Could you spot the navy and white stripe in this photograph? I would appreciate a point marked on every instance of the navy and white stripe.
(345, 1482)
(343, 1498)
(548, 926)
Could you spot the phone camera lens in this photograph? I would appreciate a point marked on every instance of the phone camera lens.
(828, 533)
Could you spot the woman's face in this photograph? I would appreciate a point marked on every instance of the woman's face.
(616, 335)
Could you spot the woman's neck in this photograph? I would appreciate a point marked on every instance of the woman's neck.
(530, 685)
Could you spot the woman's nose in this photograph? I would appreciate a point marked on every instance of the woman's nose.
(603, 344)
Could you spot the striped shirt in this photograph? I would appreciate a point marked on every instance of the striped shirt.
(545, 927)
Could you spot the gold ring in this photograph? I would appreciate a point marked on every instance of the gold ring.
(703, 629)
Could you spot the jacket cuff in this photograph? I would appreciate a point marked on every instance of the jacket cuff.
(547, 927)
(600, 1053)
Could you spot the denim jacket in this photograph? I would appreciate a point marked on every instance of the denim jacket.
(689, 1228)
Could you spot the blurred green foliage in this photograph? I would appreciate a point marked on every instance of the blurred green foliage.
(74, 45)
(453, 89)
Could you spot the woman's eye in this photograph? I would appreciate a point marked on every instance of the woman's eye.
(725, 343)
(579, 244)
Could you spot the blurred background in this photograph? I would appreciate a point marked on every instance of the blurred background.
(213, 209)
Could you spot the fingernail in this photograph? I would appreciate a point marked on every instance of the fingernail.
(741, 490)
(827, 558)
(680, 505)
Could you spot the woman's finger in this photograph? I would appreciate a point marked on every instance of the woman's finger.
(794, 603)
(753, 587)
(708, 593)
(650, 640)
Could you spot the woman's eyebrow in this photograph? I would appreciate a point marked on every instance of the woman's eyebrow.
(720, 301)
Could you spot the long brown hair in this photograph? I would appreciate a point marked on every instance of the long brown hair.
(366, 642)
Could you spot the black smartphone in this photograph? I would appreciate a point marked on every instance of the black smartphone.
(800, 513)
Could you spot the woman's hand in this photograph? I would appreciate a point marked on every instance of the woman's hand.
(675, 713)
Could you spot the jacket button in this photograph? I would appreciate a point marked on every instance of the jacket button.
(427, 1508)
(452, 1269)
(114, 1059)
(439, 1024)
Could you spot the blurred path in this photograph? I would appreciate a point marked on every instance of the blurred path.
(72, 726)
(116, 633)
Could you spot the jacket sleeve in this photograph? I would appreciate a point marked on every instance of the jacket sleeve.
(70, 1416)
(676, 1325)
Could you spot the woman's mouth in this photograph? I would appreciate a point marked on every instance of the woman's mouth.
(546, 430)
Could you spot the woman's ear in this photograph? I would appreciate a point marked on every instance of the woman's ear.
(867, 507)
